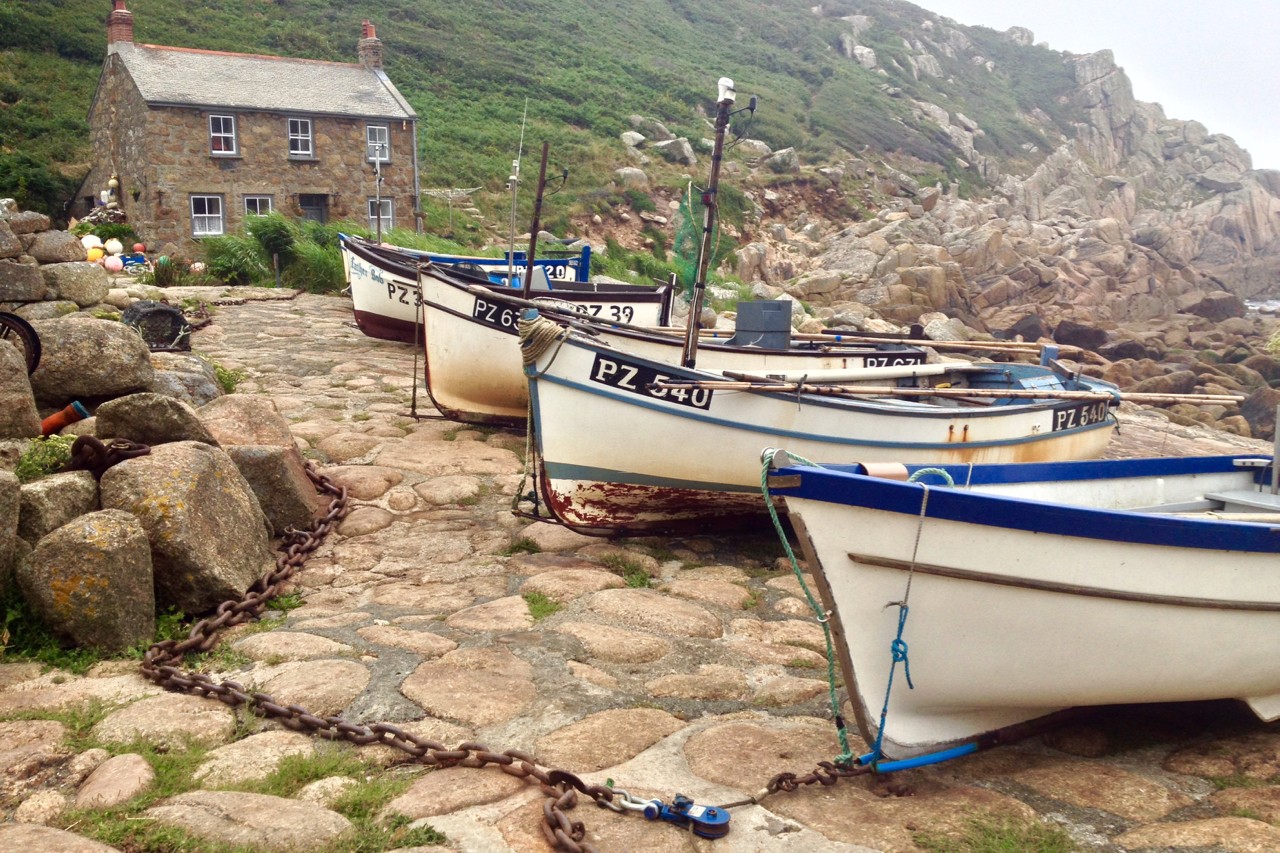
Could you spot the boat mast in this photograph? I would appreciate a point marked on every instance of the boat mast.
(710, 207)
(537, 217)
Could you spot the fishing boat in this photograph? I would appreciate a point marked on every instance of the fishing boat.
(473, 354)
(562, 266)
(695, 431)
(1014, 592)
(386, 298)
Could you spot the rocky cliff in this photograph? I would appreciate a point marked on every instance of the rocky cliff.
(1135, 216)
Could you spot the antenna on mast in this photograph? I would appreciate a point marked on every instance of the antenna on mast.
(513, 181)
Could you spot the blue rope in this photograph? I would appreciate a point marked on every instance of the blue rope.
(898, 650)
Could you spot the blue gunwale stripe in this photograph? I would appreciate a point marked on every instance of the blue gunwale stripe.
(1079, 522)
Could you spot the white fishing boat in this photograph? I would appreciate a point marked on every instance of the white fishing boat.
(1018, 591)
(383, 281)
(473, 354)
(692, 433)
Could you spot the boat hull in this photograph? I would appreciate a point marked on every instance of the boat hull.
(694, 458)
(1019, 610)
(473, 360)
(387, 300)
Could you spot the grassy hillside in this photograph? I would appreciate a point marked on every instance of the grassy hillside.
(467, 66)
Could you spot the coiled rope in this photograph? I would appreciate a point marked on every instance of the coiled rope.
(537, 335)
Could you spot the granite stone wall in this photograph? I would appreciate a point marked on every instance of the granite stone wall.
(162, 157)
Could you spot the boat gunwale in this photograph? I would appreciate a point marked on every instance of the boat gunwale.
(960, 505)
(869, 405)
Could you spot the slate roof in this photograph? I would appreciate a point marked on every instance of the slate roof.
(175, 76)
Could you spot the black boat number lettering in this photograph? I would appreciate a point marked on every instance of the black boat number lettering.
(1082, 415)
(892, 360)
(639, 379)
(400, 293)
(497, 315)
(617, 313)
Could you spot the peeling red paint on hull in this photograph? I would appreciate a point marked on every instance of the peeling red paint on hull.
(386, 328)
(611, 507)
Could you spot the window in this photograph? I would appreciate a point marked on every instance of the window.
(380, 214)
(314, 206)
(222, 134)
(300, 137)
(257, 205)
(206, 215)
(377, 143)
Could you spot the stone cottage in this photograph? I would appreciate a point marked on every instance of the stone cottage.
(188, 142)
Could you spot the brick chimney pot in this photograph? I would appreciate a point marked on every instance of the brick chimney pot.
(119, 23)
(369, 48)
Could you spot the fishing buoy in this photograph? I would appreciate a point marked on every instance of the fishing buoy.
(113, 246)
(95, 254)
(198, 267)
(91, 241)
(113, 263)
(139, 248)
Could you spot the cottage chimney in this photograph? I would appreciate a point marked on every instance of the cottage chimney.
(369, 48)
(119, 24)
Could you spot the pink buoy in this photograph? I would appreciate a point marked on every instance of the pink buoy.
(113, 263)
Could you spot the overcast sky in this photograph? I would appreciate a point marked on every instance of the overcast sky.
(1214, 61)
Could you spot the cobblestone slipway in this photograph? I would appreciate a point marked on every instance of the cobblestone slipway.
(707, 684)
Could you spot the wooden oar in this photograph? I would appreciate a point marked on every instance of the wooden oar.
(825, 376)
(894, 391)
(835, 336)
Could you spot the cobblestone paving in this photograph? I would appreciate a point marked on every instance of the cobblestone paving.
(670, 666)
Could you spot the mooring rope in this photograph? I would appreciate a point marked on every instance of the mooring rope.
(537, 334)
(823, 616)
(898, 648)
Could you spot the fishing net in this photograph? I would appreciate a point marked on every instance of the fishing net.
(688, 239)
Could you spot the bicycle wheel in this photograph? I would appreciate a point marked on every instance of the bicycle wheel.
(19, 332)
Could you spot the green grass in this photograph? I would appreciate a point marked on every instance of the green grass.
(24, 637)
(990, 835)
(126, 828)
(523, 545)
(630, 571)
(286, 602)
(1239, 781)
(540, 607)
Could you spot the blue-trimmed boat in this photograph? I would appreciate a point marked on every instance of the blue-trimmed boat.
(1012, 592)
(693, 432)
(387, 299)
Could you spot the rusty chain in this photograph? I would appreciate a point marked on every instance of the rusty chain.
(161, 662)
(91, 454)
(161, 665)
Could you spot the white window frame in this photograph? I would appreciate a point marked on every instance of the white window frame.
(270, 205)
(219, 131)
(377, 138)
(301, 138)
(388, 215)
(207, 220)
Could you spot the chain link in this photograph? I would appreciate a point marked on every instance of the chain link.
(161, 665)
(89, 453)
